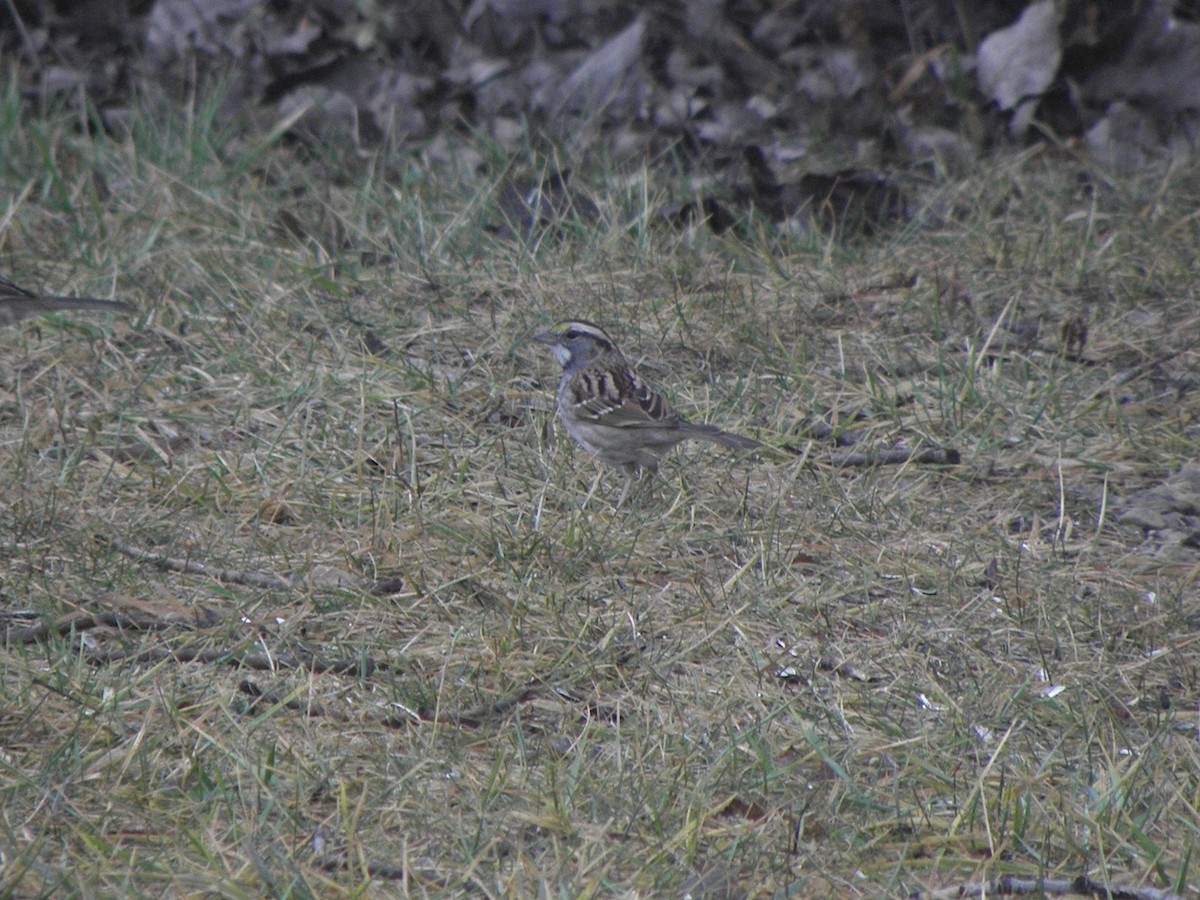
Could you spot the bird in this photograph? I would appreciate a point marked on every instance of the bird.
(611, 412)
(17, 304)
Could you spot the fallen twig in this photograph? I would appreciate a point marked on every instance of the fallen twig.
(268, 580)
(1012, 886)
(265, 662)
(938, 456)
(321, 577)
(85, 621)
(470, 719)
(1129, 374)
(841, 437)
(847, 437)
(339, 862)
(145, 621)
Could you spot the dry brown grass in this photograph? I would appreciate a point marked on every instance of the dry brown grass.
(770, 676)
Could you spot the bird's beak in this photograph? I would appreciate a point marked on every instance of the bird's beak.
(546, 337)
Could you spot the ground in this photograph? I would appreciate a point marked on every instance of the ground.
(306, 593)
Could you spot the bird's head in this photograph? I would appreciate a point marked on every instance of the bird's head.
(576, 343)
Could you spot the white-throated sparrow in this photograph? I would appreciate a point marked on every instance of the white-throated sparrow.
(16, 304)
(610, 411)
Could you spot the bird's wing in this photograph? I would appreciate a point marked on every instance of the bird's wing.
(622, 400)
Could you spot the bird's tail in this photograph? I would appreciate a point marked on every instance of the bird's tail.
(725, 438)
(49, 304)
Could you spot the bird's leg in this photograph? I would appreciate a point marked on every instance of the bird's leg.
(592, 489)
(631, 470)
(649, 473)
(629, 473)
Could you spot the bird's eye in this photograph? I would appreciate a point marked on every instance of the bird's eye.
(573, 333)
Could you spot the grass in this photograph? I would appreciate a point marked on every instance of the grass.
(772, 676)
